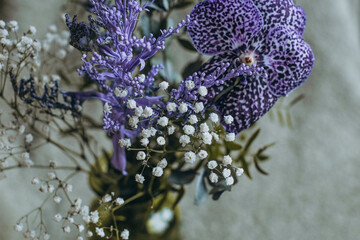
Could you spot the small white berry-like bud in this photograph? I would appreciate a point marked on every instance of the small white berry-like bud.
(189, 84)
(141, 78)
(227, 160)
(125, 234)
(139, 178)
(131, 104)
(192, 119)
(163, 85)
(229, 181)
(228, 119)
(141, 155)
(107, 108)
(230, 137)
(239, 172)
(213, 177)
(29, 138)
(212, 164)
(202, 154)
(171, 107)
(162, 163)
(57, 199)
(190, 157)
(18, 227)
(106, 198)
(171, 130)
(214, 117)
(161, 141)
(119, 201)
(57, 217)
(204, 127)
(163, 121)
(184, 139)
(189, 130)
(226, 172)
(203, 91)
(148, 112)
(199, 106)
(183, 108)
(157, 171)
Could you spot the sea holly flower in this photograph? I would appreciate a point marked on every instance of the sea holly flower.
(114, 61)
(266, 34)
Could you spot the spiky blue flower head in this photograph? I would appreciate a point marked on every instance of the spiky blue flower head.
(265, 36)
(114, 61)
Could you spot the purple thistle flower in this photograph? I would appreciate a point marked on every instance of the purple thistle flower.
(114, 54)
(266, 34)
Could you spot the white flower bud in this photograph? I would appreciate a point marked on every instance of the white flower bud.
(229, 181)
(157, 171)
(140, 155)
(139, 178)
(214, 117)
(125, 234)
(171, 107)
(183, 107)
(227, 160)
(163, 85)
(213, 177)
(189, 84)
(199, 106)
(163, 121)
(239, 172)
(228, 119)
(230, 137)
(161, 141)
(131, 104)
(184, 139)
(202, 154)
(203, 91)
(226, 172)
(189, 130)
(190, 157)
(192, 119)
(212, 164)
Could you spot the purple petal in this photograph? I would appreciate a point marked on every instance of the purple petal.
(119, 156)
(281, 13)
(288, 62)
(245, 103)
(218, 26)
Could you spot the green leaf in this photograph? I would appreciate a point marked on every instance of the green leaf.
(201, 192)
(182, 177)
(192, 67)
(251, 140)
(257, 166)
(296, 100)
(233, 146)
(186, 44)
(181, 193)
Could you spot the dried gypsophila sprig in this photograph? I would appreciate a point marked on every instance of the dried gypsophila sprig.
(27, 102)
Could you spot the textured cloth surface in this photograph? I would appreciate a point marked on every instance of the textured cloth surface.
(313, 190)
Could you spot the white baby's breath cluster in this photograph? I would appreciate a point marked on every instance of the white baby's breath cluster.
(223, 170)
(195, 131)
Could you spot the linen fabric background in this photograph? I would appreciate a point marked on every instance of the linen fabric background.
(313, 190)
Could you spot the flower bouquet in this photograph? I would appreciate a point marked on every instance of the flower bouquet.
(155, 130)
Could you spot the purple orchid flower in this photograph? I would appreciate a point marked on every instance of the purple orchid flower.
(262, 33)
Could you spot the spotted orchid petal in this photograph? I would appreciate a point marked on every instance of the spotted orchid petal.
(281, 13)
(288, 61)
(245, 103)
(218, 26)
